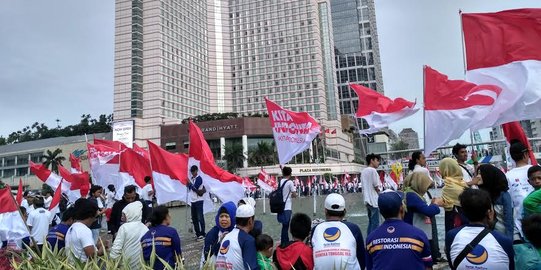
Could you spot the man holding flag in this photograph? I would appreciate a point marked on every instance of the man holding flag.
(195, 185)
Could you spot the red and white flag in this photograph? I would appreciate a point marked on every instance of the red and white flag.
(80, 186)
(56, 201)
(453, 106)
(378, 110)
(105, 164)
(170, 174)
(111, 144)
(266, 182)
(133, 168)
(504, 49)
(293, 131)
(19, 198)
(247, 183)
(141, 151)
(514, 131)
(75, 163)
(51, 179)
(225, 185)
(12, 227)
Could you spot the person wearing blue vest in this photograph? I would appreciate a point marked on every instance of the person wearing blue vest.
(56, 236)
(163, 238)
(238, 249)
(336, 243)
(396, 244)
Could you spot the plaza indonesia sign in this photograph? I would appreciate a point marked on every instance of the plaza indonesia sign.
(293, 131)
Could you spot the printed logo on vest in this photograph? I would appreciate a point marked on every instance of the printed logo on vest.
(331, 234)
(478, 255)
(225, 247)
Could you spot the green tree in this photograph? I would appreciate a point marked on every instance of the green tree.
(400, 145)
(262, 155)
(53, 159)
(234, 156)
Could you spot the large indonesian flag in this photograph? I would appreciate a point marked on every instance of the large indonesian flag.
(453, 106)
(105, 165)
(504, 49)
(170, 174)
(293, 131)
(133, 168)
(225, 185)
(75, 164)
(12, 227)
(51, 179)
(378, 110)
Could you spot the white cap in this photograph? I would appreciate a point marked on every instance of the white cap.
(249, 200)
(335, 202)
(245, 211)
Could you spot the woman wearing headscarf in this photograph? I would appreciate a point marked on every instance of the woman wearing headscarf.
(454, 186)
(127, 244)
(495, 183)
(225, 222)
(419, 213)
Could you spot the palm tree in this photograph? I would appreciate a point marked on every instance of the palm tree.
(234, 156)
(53, 159)
(261, 155)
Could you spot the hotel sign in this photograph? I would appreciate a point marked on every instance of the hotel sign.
(308, 170)
(219, 128)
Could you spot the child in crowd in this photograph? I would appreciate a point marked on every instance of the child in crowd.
(264, 246)
(296, 254)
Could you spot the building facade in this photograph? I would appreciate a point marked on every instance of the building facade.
(356, 50)
(409, 136)
(15, 158)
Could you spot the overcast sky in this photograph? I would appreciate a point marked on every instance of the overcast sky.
(56, 57)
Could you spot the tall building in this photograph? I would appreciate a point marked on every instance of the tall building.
(409, 136)
(176, 59)
(356, 49)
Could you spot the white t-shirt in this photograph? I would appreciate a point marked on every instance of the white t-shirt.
(466, 173)
(419, 168)
(334, 246)
(289, 188)
(47, 202)
(25, 204)
(370, 181)
(78, 237)
(39, 219)
(110, 199)
(147, 188)
(519, 189)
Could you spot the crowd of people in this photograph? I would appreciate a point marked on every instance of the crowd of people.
(492, 221)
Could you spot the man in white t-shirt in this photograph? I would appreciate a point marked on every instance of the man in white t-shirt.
(371, 189)
(147, 192)
(288, 192)
(79, 241)
(38, 222)
(468, 171)
(48, 198)
(519, 187)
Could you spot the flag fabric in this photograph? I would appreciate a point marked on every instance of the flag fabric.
(116, 145)
(19, 198)
(170, 175)
(105, 165)
(247, 183)
(225, 185)
(378, 110)
(53, 207)
(51, 179)
(293, 131)
(514, 131)
(134, 168)
(79, 183)
(12, 227)
(266, 183)
(504, 49)
(75, 163)
(453, 106)
(139, 150)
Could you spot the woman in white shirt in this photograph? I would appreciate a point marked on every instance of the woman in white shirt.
(127, 243)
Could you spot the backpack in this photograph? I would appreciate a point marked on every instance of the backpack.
(276, 199)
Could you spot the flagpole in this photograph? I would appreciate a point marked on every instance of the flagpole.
(264, 203)
(314, 196)
(424, 112)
